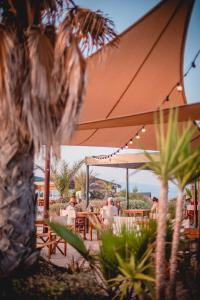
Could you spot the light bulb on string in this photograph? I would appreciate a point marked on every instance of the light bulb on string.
(137, 136)
(131, 141)
(193, 64)
(143, 129)
(126, 146)
(179, 87)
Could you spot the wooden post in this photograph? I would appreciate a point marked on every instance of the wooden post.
(87, 185)
(127, 189)
(46, 182)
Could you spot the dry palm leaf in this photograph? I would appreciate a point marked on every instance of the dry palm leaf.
(69, 82)
(6, 51)
(93, 29)
(37, 86)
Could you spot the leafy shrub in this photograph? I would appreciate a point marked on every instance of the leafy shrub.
(136, 204)
(119, 253)
(47, 281)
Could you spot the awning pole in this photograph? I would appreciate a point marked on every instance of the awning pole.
(127, 189)
(46, 182)
(87, 185)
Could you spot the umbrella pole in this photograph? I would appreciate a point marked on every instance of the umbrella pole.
(46, 181)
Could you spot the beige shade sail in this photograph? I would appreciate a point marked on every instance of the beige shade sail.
(129, 161)
(136, 76)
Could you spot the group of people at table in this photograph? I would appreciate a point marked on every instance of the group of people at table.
(106, 214)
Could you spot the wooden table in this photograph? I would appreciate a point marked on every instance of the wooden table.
(135, 212)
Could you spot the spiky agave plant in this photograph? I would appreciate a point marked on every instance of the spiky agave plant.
(41, 91)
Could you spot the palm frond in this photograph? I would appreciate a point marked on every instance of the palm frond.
(37, 88)
(92, 29)
(70, 237)
(6, 75)
(68, 83)
(174, 149)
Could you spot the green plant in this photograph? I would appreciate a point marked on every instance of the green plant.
(136, 204)
(62, 175)
(172, 209)
(188, 192)
(136, 277)
(177, 161)
(125, 244)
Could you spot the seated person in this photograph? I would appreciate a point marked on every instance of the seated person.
(108, 212)
(71, 211)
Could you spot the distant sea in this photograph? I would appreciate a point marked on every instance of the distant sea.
(153, 189)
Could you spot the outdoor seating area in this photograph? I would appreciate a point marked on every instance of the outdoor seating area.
(99, 150)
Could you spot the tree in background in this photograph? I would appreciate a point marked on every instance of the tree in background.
(63, 175)
(42, 83)
(80, 181)
(108, 187)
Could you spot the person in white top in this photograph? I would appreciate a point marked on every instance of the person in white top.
(108, 212)
(71, 212)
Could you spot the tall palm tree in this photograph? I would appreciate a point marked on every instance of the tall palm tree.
(187, 166)
(42, 81)
(171, 145)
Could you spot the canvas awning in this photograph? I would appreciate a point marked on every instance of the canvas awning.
(136, 76)
(127, 161)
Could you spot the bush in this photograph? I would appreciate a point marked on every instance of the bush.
(136, 204)
(46, 281)
(117, 252)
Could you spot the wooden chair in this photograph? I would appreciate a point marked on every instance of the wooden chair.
(95, 222)
(45, 237)
(80, 226)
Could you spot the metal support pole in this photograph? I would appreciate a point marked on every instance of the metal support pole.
(127, 189)
(87, 185)
(195, 205)
(46, 182)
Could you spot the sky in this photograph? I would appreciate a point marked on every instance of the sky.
(125, 13)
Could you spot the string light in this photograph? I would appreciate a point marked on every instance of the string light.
(193, 64)
(177, 86)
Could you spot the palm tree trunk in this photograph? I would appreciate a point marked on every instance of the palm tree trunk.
(160, 242)
(175, 243)
(17, 204)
